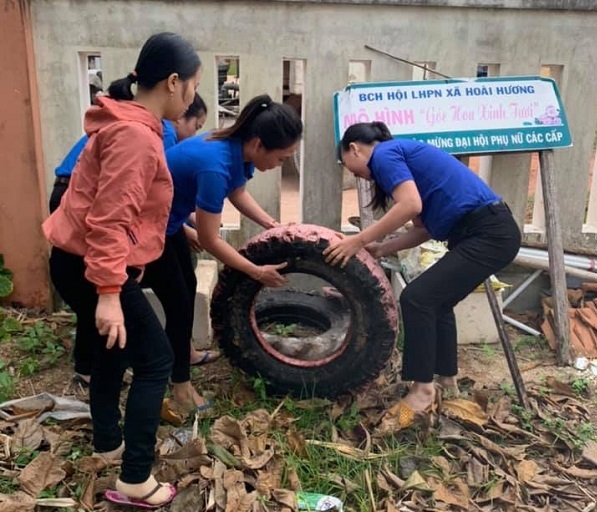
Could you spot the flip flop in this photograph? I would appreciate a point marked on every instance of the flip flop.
(208, 357)
(122, 499)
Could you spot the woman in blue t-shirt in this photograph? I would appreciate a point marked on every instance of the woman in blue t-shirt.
(212, 167)
(446, 201)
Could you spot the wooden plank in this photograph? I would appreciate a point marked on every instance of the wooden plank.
(556, 256)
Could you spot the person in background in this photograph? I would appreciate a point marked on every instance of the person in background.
(173, 132)
(447, 202)
(110, 224)
(214, 166)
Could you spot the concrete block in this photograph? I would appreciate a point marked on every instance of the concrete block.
(207, 276)
(474, 320)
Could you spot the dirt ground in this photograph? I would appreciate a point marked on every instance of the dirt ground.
(482, 366)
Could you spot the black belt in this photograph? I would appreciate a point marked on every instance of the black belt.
(62, 180)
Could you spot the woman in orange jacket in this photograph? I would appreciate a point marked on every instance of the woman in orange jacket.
(110, 224)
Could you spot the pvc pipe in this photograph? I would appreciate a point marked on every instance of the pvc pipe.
(521, 326)
(582, 262)
(544, 264)
(523, 286)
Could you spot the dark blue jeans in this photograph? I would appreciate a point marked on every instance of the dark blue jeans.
(147, 351)
(480, 244)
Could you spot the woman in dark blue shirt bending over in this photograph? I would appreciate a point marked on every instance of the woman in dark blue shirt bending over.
(445, 201)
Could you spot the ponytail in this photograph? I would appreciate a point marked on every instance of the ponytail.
(121, 89)
(368, 133)
(276, 125)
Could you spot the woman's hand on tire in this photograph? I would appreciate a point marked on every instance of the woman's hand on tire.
(268, 275)
(109, 319)
(342, 249)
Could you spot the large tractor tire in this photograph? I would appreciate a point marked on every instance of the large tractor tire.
(359, 356)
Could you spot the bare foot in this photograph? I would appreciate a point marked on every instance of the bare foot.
(449, 385)
(187, 396)
(421, 396)
(112, 457)
(203, 356)
(141, 491)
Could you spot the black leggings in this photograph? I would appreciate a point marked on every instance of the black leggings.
(482, 243)
(147, 351)
(172, 278)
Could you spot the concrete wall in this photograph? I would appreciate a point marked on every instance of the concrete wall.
(519, 35)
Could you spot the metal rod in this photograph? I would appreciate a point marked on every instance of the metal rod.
(521, 326)
(508, 350)
(417, 65)
(522, 287)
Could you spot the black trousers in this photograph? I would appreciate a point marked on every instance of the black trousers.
(483, 242)
(85, 328)
(172, 278)
(57, 193)
(147, 351)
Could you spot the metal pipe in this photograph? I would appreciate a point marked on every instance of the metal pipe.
(585, 275)
(521, 326)
(523, 286)
(571, 260)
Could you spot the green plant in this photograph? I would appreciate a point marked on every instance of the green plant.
(39, 340)
(580, 386)
(284, 330)
(259, 387)
(526, 417)
(488, 350)
(530, 342)
(9, 326)
(7, 383)
(6, 285)
(29, 366)
(508, 389)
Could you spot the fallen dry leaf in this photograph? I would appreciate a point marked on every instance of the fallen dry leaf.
(526, 470)
(17, 502)
(257, 461)
(559, 387)
(188, 499)
(173, 413)
(28, 436)
(465, 410)
(87, 498)
(287, 499)
(42, 472)
(457, 494)
(234, 486)
(416, 481)
(589, 452)
(477, 473)
(577, 472)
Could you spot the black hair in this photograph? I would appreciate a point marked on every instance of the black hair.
(278, 126)
(197, 108)
(161, 55)
(368, 133)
